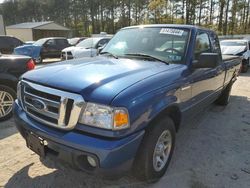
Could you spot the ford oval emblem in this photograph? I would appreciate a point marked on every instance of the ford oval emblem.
(38, 104)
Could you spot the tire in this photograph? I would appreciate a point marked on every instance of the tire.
(224, 98)
(39, 60)
(145, 168)
(244, 68)
(7, 98)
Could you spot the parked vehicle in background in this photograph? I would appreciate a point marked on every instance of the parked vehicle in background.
(86, 48)
(76, 40)
(11, 68)
(8, 43)
(29, 42)
(237, 47)
(121, 110)
(43, 48)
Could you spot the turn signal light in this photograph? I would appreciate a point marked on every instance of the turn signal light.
(31, 64)
(121, 119)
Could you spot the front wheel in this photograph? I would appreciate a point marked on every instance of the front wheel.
(7, 97)
(156, 151)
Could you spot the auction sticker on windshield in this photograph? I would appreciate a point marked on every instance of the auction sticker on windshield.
(171, 31)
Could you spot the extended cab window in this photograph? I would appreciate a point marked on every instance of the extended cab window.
(202, 45)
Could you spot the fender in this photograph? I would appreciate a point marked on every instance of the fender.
(9, 80)
(161, 102)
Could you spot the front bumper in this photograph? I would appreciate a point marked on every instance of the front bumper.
(113, 156)
(66, 55)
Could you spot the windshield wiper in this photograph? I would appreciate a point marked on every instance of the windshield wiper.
(146, 56)
(114, 56)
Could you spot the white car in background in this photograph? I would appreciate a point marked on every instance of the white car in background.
(239, 48)
(87, 48)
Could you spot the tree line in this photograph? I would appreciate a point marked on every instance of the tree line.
(85, 17)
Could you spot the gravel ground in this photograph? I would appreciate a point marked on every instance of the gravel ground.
(212, 150)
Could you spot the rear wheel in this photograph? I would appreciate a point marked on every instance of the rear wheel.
(156, 151)
(224, 98)
(245, 66)
(7, 97)
(39, 60)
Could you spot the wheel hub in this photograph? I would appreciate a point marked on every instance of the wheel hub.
(162, 150)
(6, 102)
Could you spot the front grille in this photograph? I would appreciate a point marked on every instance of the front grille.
(50, 106)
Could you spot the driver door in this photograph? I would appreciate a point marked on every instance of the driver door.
(203, 80)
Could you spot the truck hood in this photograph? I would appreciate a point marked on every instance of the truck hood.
(28, 50)
(97, 79)
(232, 50)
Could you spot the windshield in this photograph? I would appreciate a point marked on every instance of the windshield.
(73, 41)
(233, 43)
(40, 42)
(167, 44)
(88, 43)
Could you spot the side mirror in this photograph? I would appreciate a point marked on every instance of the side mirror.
(207, 60)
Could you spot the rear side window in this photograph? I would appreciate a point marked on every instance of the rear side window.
(62, 42)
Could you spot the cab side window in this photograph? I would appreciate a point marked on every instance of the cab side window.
(17, 42)
(51, 43)
(202, 45)
(102, 42)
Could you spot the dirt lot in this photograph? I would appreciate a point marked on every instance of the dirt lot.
(213, 150)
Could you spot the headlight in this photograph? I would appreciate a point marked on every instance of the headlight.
(105, 117)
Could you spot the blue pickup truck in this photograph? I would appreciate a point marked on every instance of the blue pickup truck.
(122, 109)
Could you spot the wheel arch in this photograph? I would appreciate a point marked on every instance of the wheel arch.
(8, 80)
(172, 112)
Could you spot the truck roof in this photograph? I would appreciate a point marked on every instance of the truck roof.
(181, 26)
(54, 38)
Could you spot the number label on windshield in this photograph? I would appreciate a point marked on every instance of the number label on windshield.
(170, 31)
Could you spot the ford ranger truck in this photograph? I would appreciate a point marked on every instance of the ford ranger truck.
(122, 109)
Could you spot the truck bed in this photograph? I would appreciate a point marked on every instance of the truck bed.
(232, 66)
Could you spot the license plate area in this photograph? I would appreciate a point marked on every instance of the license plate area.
(36, 144)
